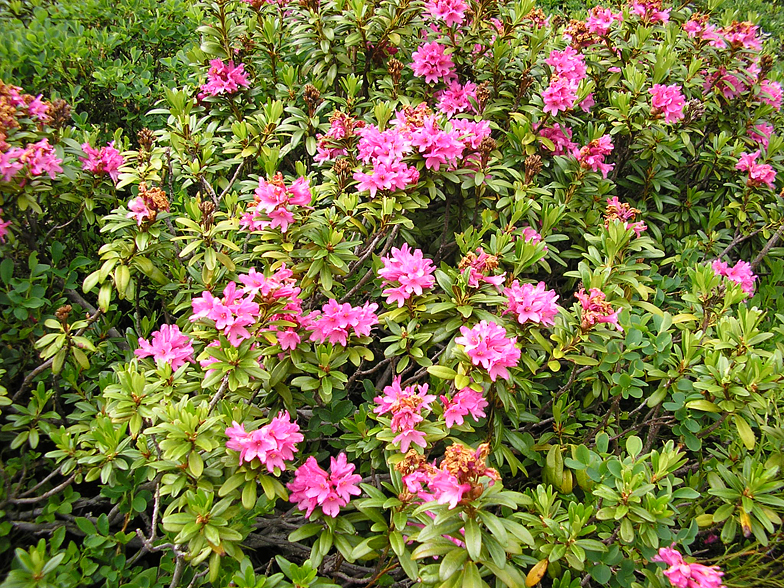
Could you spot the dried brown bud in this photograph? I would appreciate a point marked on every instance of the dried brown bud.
(63, 312)
(581, 36)
(695, 109)
(394, 67)
(487, 146)
(312, 96)
(342, 169)
(483, 94)
(146, 139)
(60, 112)
(526, 81)
(766, 64)
(207, 209)
(533, 165)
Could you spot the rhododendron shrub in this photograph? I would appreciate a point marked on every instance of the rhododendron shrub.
(431, 294)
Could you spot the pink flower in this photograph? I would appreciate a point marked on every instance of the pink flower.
(530, 235)
(596, 310)
(452, 12)
(740, 273)
(487, 345)
(559, 96)
(568, 64)
(683, 575)
(41, 158)
(432, 63)
(38, 109)
(466, 401)
(771, 93)
(10, 163)
(561, 136)
(471, 133)
(333, 321)
(313, 487)
(761, 134)
(650, 11)
(406, 406)
(386, 176)
(669, 100)
(479, 266)
(106, 160)
(410, 270)
(600, 20)
(139, 210)
(273, 199)
(168, 345)
(273, 444)
(225, 78)
(592, 155)
(3, 228)
(438, 147)
(759, 173)
(456, 98)
(231, 314)
(531, 303)
(447, 488)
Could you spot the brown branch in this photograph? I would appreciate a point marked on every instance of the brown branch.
(45, 495)
(768, 246)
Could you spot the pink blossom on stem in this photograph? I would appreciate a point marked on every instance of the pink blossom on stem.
(596, 309)
(451, 12)
(3, 228)
(432, 63)
(487, 345)
(559, 96)
(38, 109)
(668, 100)
(531, 303)
(438, 147)
(273, 444)
(600, 19)
(10, 163)
(466, 401)
(561, 136)
(106, 160)
(740, 273)
(406, 406)
(758, 173)
(456, 98)
(168, 345)
(274, 199)
(592, 155)
(333, 321)
(313, 487)
(761, 133)
(225, 78)
(771, 93)
(684, 575)
(41, 158)
(407, 272)
(139, 210)
(479, 266)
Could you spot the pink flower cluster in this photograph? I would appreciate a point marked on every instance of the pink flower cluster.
(596, 309)
(457, 479)
(568, 71)
(437, 146)
(650, 11)
(3, 228)
(600, 19)
(684, 575)
(313, 487)
(531, 303)
(273, 200)
(452, 12)
(384, 151)
(410, 270)
(487, 345)
(333, 321)
(106, 160)
(531, 235)
(232, 313)
(740, 273)
(406, 406)
(39, 158)
(479, 266)
(667, 100)
(466, 401)
(761, 134)
(340, 135)
(698, 27)
(225, 78)
(592, 155)
(432, 63)
(272, 291)
(771, 93)
(168, 345)
(456, 98)
(759, 173)
(623, 212)
(273, 444)
(561, 136)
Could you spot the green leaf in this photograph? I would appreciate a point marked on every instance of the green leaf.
(473, 539)
(451, 562)
(703, 405)
(745, 432)
(441, 371)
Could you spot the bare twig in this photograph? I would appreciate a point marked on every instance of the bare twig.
(219, 394)
(45, 495)
(233, 179)
(768, 246)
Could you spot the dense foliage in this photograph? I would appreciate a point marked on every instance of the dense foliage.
(403, 293)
